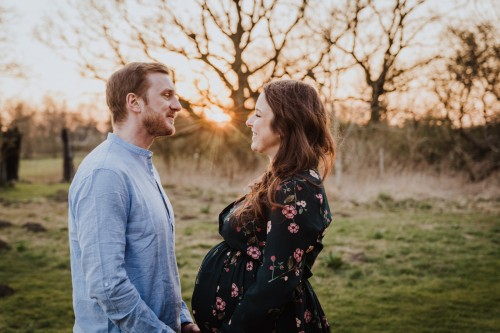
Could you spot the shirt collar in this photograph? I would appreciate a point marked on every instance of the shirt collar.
(130, 147)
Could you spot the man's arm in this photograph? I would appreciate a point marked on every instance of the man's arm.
(101, 215)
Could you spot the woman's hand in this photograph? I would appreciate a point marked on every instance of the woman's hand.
(190, 328)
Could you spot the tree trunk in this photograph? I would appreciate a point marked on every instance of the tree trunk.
(375, 106)
(11, 153)
(240, 112)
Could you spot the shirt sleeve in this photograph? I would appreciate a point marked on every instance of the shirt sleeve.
(102, 214)
(185, 315)
(292, 232)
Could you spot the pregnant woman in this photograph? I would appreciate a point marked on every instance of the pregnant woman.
(256, 280)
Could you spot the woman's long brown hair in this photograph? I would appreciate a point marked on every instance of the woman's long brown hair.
(306, 143)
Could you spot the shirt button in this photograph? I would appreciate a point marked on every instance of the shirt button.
(106, 284)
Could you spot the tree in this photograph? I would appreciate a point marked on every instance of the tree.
(468, 87)
(8, 67)
(468, 91)
(383, 39)
(233, 47)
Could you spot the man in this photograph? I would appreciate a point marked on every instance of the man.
(121, 223)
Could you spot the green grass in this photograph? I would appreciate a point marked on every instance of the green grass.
(42, 299)
(389, 266)
(22, 192)
(45, 170)
(431, 272)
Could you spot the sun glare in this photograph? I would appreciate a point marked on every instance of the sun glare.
(217, 115)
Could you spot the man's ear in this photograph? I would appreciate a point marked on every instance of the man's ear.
(134, 103)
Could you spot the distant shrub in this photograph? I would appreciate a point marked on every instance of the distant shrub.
(334, 261)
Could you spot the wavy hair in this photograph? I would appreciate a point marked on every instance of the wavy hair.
(306, 143)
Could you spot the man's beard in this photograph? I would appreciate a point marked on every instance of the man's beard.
(156, 124)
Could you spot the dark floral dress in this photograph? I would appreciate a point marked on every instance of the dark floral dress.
(256, 280)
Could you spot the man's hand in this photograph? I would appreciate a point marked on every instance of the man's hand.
(190, 328)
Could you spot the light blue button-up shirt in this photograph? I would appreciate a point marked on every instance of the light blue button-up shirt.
(121, 233)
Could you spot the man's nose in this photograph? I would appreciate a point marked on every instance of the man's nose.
(176, 105)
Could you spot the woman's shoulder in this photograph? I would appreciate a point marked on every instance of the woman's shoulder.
(309, 176)
(304, 184)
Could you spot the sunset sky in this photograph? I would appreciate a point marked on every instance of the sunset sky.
(48, 74)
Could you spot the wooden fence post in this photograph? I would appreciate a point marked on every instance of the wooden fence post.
(381, 163)
(68, 169)
(3, 175)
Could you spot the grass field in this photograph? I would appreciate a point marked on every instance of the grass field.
(389, 265)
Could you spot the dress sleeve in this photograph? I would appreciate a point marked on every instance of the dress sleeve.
(102, 213)
(292, 232)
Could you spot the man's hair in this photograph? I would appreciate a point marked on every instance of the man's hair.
(132, 78)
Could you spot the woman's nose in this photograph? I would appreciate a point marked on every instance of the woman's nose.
(249, 121)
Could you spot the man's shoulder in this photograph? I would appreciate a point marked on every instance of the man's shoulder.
(104, 157)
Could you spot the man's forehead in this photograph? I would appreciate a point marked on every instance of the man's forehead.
(161, 81)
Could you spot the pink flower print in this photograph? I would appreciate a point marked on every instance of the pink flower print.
(253, 252)
(299, 188)
(220, 304)
(298, 254)
(285, 278)
(273, 258)
(271, 268)
(320, 197)
(289, 211)
(293, 228)
(297, 272)
(269, 225)
(302, 203)
(298, 321)
(309, 249)
(307, 316)
(234, 290)
(249, 266)
(238, 229)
